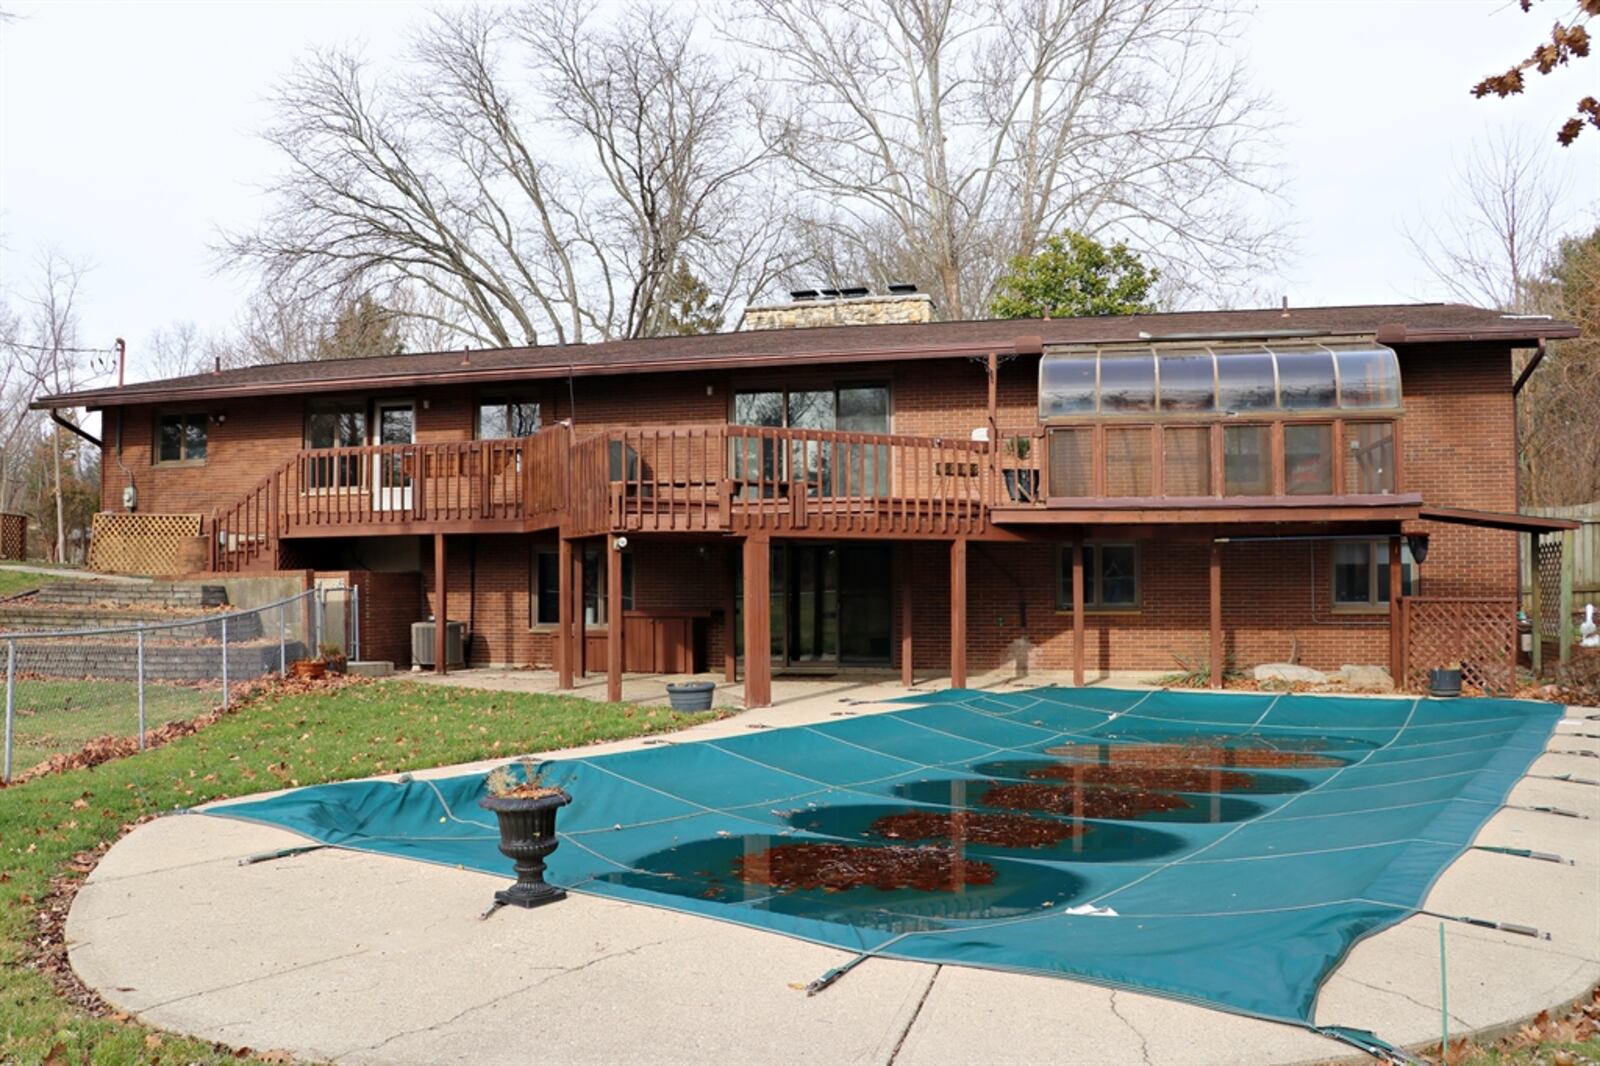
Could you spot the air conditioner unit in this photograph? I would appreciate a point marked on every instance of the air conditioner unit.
(455, 640)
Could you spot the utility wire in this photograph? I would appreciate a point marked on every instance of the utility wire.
(53, 348)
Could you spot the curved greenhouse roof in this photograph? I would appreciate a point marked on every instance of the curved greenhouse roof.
(1219, 379)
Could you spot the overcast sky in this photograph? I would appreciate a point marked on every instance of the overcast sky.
(127, 135)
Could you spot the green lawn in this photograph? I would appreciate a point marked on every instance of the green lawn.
(56, 715)
(15, 581)
(270, 743)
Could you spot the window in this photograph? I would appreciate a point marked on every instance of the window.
(1247, 460)
(1308, 459)
(500, 418)
(826, 467)
(335, 425)
(181, 437)
(1361, 573)
(546, 592)
(1110, 577)
(1369, 458)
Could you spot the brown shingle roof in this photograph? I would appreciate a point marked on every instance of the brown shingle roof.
(1405, 322)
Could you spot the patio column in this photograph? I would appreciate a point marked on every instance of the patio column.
(580, 637)
(958, 613)
(757, 622)
(441, 612)
(1535, 607)
(1077, 613)
(907, 659)
(563, 649)
(613, 620)
(1216, 615)
(1395, 635)
(730, 614)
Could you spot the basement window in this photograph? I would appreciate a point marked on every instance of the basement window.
(1361, 573)
(181, 437)
(545, 597)
(1110, 577)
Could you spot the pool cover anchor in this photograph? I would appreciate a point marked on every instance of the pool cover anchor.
(1486, 923)
(824, 982)
(1526, 853)
(280, 853)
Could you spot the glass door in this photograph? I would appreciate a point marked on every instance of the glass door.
(865, 603)
(394, 423)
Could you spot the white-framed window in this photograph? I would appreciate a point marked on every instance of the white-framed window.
(1110, 577)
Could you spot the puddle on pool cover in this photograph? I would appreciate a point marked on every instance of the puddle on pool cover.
(1132, 775)
(1119, 804)
(985, 833)
(840, 882)
(1183, 751)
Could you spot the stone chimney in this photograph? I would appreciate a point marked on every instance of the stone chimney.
(842, 307)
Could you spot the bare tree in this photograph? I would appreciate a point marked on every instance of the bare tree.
(512, 210)
(972, 129)
(172, 351)
(1500, 228)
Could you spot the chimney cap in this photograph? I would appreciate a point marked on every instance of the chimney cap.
(829, 294)
(901, 288)
(854, 292)
(802, 294)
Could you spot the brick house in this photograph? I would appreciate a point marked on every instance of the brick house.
(1085, 494)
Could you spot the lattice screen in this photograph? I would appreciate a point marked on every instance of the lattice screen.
(1480, 634)
(13, 536)
(1547, 571)
(140, 543)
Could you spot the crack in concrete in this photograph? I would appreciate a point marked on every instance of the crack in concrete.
(253, 980)
(1431, 1008)
(916, 1012)
(561, 971)
(1144, 1045)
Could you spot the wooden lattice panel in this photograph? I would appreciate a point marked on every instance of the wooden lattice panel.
(13, 536)
(1547, 572)
(140, 543)
(1480, 634)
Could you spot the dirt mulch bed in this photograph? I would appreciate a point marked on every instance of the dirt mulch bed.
(999, 830)
(841, 867)
(1162, 756)
(1111, 803)
(1136, 776)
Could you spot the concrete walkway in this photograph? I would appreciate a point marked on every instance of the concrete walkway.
(69, 572)
(358, 958)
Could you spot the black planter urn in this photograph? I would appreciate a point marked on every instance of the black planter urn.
(1444, 681)
(527, 836)
(691, 695)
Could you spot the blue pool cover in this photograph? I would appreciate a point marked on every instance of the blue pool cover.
(1222, 848)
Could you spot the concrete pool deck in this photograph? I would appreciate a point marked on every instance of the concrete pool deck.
(360, 958)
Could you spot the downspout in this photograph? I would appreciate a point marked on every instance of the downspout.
(1516, 431)
(55, 416)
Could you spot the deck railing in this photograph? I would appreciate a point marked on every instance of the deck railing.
(755, 478)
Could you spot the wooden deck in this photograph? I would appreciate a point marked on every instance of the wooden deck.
(746, 480)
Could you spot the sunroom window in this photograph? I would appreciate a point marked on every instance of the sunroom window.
(1233, 379)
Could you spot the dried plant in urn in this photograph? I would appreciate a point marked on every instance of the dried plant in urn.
(526, 808)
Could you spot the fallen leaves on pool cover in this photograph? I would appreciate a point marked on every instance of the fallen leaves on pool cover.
(1083, 802)
(1162, 756)
(839, 867)
(1171, 779)
(999, 830)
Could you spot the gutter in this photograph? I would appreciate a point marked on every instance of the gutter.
(55, 416)
(1527, 371)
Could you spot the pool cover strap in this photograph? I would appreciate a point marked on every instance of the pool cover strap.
(1244, 841)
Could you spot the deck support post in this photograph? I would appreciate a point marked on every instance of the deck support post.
(1077, 612)
(1564, 620)
(441, 614)
(730, 615)
(757, 622)
(613, 620)
(563, 644)
(907, 659)
(580, 636)
(993, 411)
(958, 613)
(1216, 615)
(1395, 635)
(1535, 607)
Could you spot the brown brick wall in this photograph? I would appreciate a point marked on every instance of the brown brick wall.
(1459, 446)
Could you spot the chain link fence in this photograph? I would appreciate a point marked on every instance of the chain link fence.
(66, 687)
